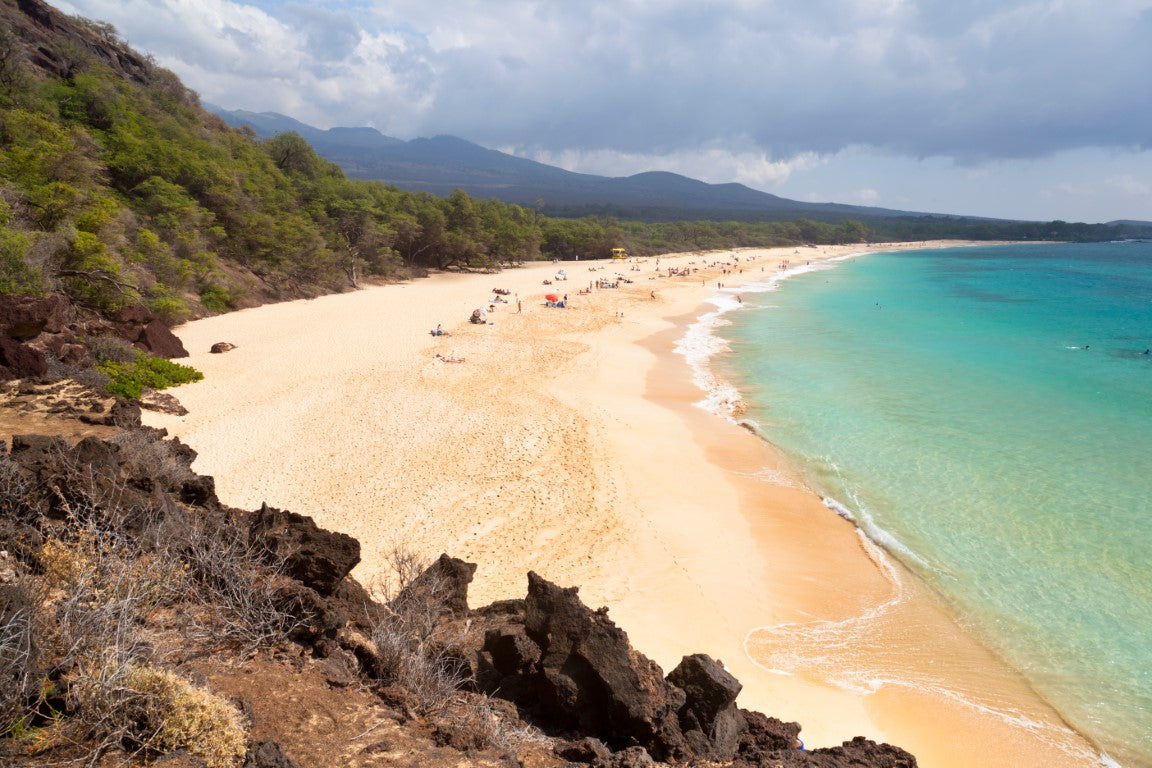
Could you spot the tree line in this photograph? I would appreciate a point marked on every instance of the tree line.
(119, 192)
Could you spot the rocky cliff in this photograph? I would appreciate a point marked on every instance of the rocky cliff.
(120, 564)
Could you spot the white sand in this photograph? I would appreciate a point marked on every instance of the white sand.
(566, 443)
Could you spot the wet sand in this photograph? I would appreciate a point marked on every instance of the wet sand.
(567, 442)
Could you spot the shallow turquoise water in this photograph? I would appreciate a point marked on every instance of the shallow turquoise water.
(990, 409)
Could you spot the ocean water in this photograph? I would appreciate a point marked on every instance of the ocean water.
(985, 415)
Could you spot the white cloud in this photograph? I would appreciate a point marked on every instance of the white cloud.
(714, 165)
(726, 90)
(974, 80)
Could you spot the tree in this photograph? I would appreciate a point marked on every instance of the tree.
(16, 274)
(292, 153)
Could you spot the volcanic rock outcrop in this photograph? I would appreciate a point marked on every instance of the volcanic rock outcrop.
(137, 325)
(572, 671)
(561, 666)
(36, 329)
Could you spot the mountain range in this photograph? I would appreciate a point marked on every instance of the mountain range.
(443, 163)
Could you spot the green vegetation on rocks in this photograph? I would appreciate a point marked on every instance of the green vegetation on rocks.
(129, 379)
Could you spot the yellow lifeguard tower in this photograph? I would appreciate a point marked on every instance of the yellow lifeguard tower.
(619, 253)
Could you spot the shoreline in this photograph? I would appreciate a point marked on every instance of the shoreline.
(569, 443)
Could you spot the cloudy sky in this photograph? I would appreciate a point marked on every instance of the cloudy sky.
(1035, 109)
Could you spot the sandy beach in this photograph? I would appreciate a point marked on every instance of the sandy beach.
(567, 441)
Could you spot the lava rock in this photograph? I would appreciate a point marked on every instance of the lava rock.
(316, 557)
(444, 584)
(710, 719)
(25, 317)
(20, 361)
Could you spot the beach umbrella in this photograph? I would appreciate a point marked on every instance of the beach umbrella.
(551, 297)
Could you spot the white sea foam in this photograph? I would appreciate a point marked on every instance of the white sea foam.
(850, 653)
(773, 477)
(867, 526)
(700, 344)
(846, 655)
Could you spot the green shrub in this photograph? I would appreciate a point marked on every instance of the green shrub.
(216, 298)
(16, 275)
(170, 310)
(130, 379)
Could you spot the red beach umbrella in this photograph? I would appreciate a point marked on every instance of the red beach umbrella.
(551, 297)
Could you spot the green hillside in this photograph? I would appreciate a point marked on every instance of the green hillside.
(116, 187)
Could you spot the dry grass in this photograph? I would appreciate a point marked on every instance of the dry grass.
(247, 605)
(414, 645)
(19, 654)
(144, 453)
(169, 713)
(421, 652)
(15, 490)
(81, 628)
(100, 590)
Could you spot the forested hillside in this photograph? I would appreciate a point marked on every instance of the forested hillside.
(116, 188)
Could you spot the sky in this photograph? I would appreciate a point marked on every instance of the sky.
(1027, 109)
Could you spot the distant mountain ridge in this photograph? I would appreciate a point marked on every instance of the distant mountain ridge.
(443, 163)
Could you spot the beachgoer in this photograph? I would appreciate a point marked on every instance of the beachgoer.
(518, 307)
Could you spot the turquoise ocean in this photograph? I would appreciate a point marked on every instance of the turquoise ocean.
(984, 414)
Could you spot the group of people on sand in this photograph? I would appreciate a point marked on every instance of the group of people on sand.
(687, 270)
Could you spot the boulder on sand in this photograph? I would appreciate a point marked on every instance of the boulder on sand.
(137, 325)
